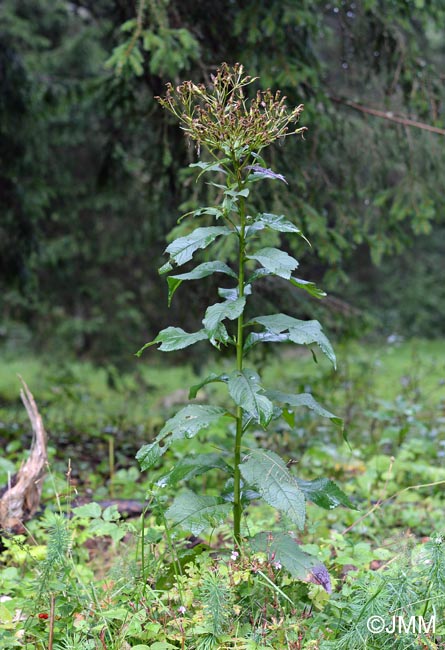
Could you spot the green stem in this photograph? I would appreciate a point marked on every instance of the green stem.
(237, 507)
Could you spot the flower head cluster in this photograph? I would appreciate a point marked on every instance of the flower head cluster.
(221, 117)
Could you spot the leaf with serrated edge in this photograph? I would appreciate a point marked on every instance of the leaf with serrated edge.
(325, 493)
(245, 389)
(181, 250)
(201, 271)
(277, 222)
(208, 380)
(190, 466)
(304, 399)
(300, 332)
(309, 287)
(300, 565)
(175, 338)
(216, 313)
(266, 471)
(196, 513)
(276, 261)
(185, 424)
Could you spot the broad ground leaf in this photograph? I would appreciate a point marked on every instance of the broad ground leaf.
(218, 312)
(276, 261)
(304, 399)
(181, 250)
(196, 512)
(201, 271)
(185, 424)
(299, 331)
(268, 473)
(190, 466)
(174, 338)
(300, 565)
(325, 493)
(246, 391)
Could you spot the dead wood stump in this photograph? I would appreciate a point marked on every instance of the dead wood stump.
(20, 499)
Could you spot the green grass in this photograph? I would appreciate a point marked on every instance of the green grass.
(393, 400)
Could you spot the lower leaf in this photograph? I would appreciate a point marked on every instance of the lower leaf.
(196, 513)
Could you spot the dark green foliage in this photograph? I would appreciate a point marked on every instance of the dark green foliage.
(92, 171)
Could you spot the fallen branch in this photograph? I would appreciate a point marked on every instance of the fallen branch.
(20, 499)
(388, 115)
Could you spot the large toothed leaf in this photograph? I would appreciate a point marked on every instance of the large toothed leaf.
(196, 512)
(174, 338)
(304, 399)
(246, 391)
(215, 314)
(299, 331)
(185, 424)
(201, 271)
(286, 550)
(182, 249)
(190, 466)
(268, 473)
(276, 261)
(325, 493)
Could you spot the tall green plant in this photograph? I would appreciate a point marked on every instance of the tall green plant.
(234, 131)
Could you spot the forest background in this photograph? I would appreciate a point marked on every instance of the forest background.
(94, 174)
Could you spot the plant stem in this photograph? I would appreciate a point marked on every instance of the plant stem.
(237, 507)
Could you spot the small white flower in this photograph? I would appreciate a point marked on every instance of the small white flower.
(182, 609)
(234, 555)
(277, 565)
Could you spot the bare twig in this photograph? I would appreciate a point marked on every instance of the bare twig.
(388, 115)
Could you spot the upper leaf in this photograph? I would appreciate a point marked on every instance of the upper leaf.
(304, 399)
(196, 512)
(301, 565)
(216, 313)
(210, 166)
(185, 424)
(276, 222)
(309, 287)
(182, 249)
(299, 331)
(201, 271)
(174, 338)
(268, 473)
(264, 172)
(245, 390)
(276, 261)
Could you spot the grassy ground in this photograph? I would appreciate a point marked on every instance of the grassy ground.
(392, 398)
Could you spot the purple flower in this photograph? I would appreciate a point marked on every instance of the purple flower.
(266, 173)
(319, 575)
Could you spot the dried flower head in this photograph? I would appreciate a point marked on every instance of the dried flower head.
(221, 117)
